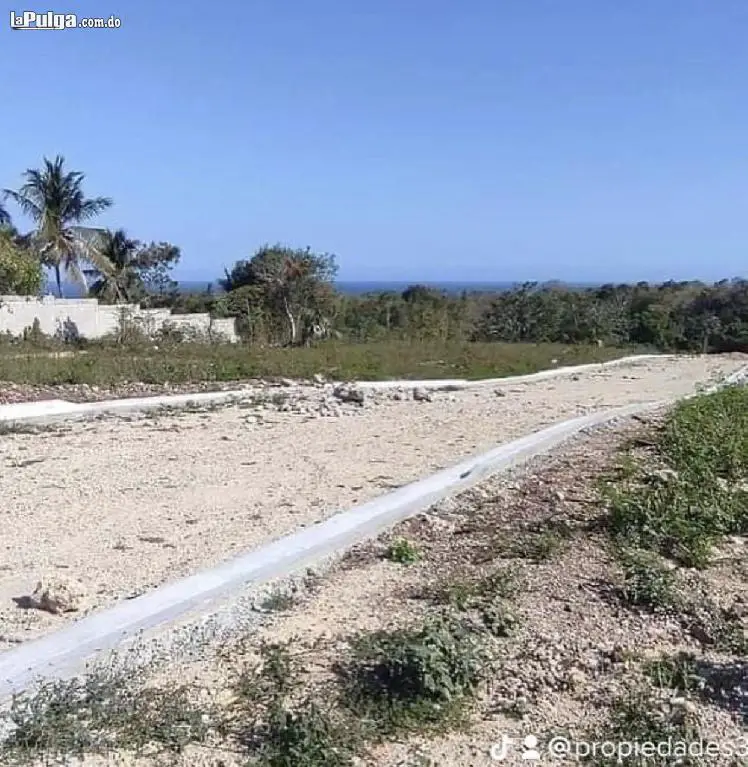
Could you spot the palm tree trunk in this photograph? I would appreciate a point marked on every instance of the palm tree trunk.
(59, 281)
(291, 320)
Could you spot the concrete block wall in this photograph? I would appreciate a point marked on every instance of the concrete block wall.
(93, 320)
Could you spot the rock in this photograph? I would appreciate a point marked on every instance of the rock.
(286, 382)
(662, 475)
(57, 595)
(422, 395)
(354, 394)
(319, 379)
(499, 393)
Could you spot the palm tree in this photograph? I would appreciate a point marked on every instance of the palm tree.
(53, 197)
(4, 217)
(119, 280)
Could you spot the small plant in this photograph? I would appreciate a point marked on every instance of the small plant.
(543, 546)
(472, 593)
(413, 677)
(279, 734)
(269, 680)
(639, 717)
(305, 737)
(499, 619)
(279, 600)
(675, 672)
(403, 552)
(647, 582)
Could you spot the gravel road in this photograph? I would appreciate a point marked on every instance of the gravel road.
(124, 505)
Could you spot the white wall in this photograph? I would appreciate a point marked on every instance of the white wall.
(94, 320)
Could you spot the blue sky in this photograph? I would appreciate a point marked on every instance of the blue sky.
(480, 140)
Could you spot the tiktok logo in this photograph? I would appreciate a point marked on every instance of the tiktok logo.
(500, 751)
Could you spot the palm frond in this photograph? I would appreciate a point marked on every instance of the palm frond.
(27, 205)
(89, 209)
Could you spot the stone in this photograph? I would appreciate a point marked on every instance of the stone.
(354, 394)
(422, 395)
(57, 595)
(319, 379)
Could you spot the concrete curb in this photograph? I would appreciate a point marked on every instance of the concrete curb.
(465, 383)
(63, 652)
(53, 411)
(55, 654)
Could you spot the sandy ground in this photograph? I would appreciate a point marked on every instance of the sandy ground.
(575, 651)
(124, 506)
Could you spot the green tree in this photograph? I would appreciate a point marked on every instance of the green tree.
(153, 264)
(120, 281)
(4, 216)
(293, 287)
(132, 271)
(20, 269)
(53, 197)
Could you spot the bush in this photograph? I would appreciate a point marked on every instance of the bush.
(404, 678)
(20, 269)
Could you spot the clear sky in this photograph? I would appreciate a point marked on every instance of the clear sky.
(444, 140)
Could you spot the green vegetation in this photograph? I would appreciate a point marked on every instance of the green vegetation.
(406, 679)
(675, 515)
(132, 359)
(53, 198)
(682, 510)
(647, 581)
(20, 270)
(100, 713)
(403, 552)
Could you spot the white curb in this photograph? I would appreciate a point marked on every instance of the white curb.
(52, 411)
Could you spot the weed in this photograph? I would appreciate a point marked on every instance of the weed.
(282, 734)
(543, 546)
(410, 678)
(403, 552)
(499, 619)
(640, 717)
(647, 582)
(677, 672)
(99, 714)
(469, 593)
(306, 737)
(683, 509)
(279, 600)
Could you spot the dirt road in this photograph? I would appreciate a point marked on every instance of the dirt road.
(124, 506)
